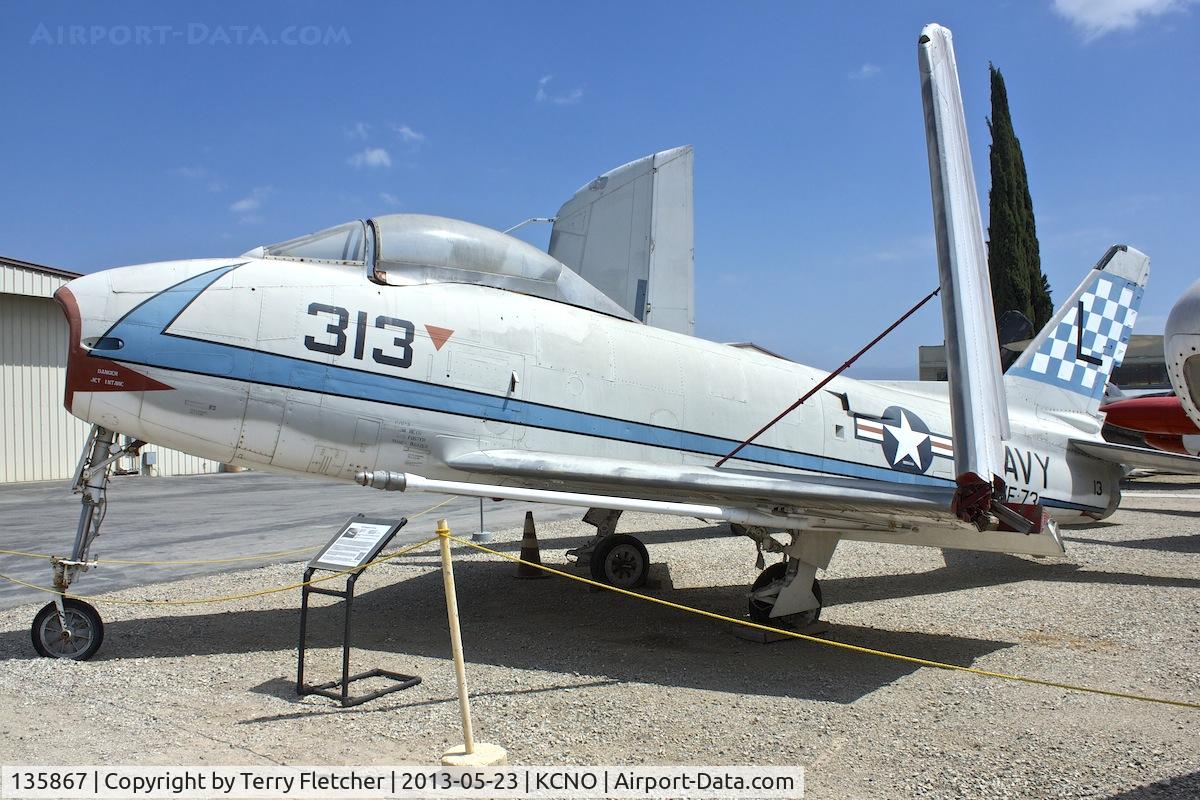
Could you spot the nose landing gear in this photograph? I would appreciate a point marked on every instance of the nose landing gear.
(68, 627)
(76, 632)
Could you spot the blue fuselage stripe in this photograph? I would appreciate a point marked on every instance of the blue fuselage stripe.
(146, 342)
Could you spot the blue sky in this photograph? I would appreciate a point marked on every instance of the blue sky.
(141, 132)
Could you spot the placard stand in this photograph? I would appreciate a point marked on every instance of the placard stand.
(358, 543)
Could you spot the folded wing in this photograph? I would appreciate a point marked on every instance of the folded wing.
(857, 509)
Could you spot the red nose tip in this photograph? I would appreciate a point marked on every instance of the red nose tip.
(70, 309)
(89, 373)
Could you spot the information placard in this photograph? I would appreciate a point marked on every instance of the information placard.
(358, 542)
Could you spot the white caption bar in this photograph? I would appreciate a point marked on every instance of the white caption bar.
(320, 783)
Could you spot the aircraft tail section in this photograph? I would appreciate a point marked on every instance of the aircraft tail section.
(1069, 362)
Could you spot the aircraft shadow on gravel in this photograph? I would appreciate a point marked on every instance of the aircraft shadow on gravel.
(1186, 543)
(545, 625)
(512, 623)
(1181, 786)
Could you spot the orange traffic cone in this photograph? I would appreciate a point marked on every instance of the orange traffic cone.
(530, 552)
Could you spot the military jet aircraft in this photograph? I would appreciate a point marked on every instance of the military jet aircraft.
(420, 353)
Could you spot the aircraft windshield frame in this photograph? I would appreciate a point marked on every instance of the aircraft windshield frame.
(348, 243)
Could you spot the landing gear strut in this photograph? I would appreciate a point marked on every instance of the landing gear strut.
(764, 592)
(787, 592)
(68, 627)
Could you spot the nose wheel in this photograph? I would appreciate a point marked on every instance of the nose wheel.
(75, 634)
(764, 593)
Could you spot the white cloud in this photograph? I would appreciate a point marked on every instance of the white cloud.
(561, 99)
(372, 157)
(359, 130)
(571, 97)
(867, 70)
(199, 172)
(246, 207)
(1095, 18)
(390, 199)
(408, 135)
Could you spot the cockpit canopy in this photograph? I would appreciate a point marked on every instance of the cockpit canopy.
(343, 244)
(409, 249)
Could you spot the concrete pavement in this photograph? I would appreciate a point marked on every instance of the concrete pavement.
(211, 517)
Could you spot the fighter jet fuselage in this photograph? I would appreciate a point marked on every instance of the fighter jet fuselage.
(315, 369)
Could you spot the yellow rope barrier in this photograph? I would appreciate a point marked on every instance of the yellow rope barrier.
(924, 662)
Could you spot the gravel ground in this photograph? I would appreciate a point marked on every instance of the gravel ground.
(563, 674)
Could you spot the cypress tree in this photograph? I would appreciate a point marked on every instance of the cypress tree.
(1013, 259)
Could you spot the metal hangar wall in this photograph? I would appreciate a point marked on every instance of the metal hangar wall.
(39, 440)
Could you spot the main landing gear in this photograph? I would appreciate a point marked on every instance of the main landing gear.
(764, 593)
(68, 627)
(620, 560)
(616, 559)
(788, 592)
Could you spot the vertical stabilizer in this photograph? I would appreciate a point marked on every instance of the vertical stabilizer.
(977, 403)
(629, 234)
(1067, 365)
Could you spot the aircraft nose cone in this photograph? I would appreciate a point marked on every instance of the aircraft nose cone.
(1185, 315)
(1181, 348)
(84, 302)
(92, 353)
(84, 295)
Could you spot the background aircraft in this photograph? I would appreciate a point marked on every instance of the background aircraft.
(1181, 346)
(1155, 420)
(1169, 422)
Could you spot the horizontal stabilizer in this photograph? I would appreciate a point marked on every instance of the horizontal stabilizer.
(1138, 457)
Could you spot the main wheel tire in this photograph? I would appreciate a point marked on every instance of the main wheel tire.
(620, 560)
(760, 610)
(78, 640)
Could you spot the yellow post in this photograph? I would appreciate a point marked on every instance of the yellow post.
(470, 753)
